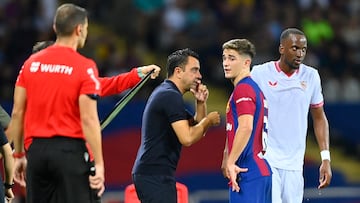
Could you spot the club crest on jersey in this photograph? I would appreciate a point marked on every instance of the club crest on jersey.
(273, 84)
(303, 84)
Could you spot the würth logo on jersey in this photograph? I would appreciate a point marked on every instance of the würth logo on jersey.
(273, 84)
(34, 67)
(50, 68)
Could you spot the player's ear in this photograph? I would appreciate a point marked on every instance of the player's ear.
(247, 62)
(54, 28)
(78, 29)
(281, 49)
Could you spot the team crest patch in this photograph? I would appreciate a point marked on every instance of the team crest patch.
(303, 84)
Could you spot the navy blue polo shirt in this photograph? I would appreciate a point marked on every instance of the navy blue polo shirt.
(159, 151)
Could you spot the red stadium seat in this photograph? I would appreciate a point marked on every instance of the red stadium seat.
(182, 194)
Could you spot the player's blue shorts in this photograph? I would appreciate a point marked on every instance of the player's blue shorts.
(255, 191)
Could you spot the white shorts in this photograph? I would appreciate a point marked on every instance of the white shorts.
(287, 186)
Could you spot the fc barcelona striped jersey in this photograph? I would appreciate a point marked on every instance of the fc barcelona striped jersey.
(247, 98)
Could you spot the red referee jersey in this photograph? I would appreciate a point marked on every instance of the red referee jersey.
(54, 78)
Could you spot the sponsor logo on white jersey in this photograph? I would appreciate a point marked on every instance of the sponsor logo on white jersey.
(50, 68)
(273, 84)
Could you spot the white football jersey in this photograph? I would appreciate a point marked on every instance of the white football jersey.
(289, 99)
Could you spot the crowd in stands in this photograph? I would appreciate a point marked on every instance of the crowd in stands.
(127, 33)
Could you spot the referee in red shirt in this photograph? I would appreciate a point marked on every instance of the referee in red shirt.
(55, 104)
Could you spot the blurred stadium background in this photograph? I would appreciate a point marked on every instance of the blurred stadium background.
(128, 33)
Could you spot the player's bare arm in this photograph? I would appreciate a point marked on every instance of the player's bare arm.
(225, 172)
(15, 134)
(6, 151)
(243, 133)
(321, 129)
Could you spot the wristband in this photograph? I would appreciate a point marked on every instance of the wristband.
(325, 155)
(19, 155)
(8, 186)
(140, 73)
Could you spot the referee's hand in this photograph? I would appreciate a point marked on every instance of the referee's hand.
(97, 182)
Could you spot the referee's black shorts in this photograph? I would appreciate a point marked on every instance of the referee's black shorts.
(58, 171)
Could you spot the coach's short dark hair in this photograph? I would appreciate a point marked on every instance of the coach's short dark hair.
(179, 58)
